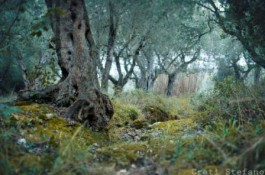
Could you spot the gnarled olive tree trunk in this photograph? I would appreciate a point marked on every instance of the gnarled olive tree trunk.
(79, 86)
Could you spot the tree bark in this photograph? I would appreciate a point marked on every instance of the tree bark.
(111, 41)
(171, 82)
(78, 89)
(147, 73)
(236, 69)
(180, 68)
(122, 80)
(257, 75)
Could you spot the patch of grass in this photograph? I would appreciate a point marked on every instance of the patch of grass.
(203, 137)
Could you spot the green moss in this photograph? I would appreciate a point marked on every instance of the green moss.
(39, 121)
(125, 116)
(155, 114)
(38, 124)
(174, 107)
(174, 126)
(31, 164)
(195, 140)
(123, 154)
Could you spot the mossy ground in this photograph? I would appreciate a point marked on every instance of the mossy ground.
(35, 140)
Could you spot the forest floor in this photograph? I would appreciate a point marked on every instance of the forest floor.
(148, 134)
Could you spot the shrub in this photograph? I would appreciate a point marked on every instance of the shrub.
(232, 100)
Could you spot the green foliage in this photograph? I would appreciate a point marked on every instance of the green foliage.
(227, 88)
(174, 107)
(233, 100)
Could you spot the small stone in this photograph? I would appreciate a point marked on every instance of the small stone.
(126, 137)
(95, 144)
(49, 115)
(71, 123)
(156, 133)
(133, 166)
(93, 147)
(137, 138)
(122, 172)
(21, 141)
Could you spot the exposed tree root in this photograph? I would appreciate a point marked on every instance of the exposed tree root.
(42, 95)
(95, 110)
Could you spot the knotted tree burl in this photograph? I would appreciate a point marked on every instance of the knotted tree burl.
(78, 89)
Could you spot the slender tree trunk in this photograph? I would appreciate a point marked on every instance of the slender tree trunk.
(257, 75)
(123, 79)
(111, 41)
(79, 87)
(145, 82)
(141, 82)
(150, 74)
(118, 89)
(236, 71)
(171, 83)
(147, 77)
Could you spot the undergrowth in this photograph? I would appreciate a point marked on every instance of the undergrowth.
(148, 134)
